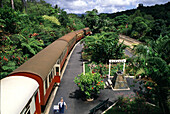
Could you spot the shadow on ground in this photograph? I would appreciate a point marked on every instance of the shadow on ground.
(78, 94)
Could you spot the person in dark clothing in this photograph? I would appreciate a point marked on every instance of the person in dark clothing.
(61, 105)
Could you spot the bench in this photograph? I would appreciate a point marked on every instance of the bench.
(93, 110)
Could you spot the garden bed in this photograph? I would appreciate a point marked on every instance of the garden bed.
(101, 68)
(117, 83)
(133, 105)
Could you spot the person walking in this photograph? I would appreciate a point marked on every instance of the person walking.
(61, 105)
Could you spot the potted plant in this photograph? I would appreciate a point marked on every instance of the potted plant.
(90, 84)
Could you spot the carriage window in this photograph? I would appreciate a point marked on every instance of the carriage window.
(50, 76)
(46, 83)
(32, 106)
(39, 95)
(27, 108)
(57, 70)
(28, 111)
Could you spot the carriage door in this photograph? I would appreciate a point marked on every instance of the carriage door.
(57, 69)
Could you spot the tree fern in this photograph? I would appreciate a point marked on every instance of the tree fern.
(29, 48)
(31, 45)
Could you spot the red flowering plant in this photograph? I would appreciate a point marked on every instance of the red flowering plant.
(89, 83)
(103, 69)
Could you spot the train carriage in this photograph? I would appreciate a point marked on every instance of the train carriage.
(19, 96)
(79, 34)
(42, 71)
(70, 38)
(45, 67)
(87, 31)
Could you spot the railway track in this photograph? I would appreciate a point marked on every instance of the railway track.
(129, 42)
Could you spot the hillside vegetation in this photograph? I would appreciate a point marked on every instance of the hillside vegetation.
(151, 63)
(28, 28)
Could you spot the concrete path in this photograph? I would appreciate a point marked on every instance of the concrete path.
(69, 91)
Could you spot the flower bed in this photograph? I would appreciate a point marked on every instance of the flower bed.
(103, 69)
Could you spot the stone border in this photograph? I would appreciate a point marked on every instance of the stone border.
(121, 89)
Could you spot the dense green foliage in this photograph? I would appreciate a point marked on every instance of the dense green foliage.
(152, 64)
(145, 22)
(157, 11)
(31, 26)
(28, 28)
(133, 105)
(103, 46)
(98, 23)
(151, 61)
(141, 23)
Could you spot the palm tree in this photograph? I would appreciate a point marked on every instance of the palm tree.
(161, 47)
(12, 4)
(29, 46)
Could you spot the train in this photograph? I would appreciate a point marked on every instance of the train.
(27, 89)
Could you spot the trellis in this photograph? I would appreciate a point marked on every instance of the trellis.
(116, 61)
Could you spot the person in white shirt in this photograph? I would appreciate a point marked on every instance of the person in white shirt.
(61, 105)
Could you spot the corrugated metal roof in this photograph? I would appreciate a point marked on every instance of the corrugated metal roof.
(68, 37)
(42, 63)
(79, 31)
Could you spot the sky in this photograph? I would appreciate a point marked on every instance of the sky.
(103, 6)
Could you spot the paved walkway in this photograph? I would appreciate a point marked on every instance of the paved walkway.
(68, 88)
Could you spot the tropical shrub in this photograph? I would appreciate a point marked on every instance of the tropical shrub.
(133, 105)
(9, 19)
(154, 71)
(75, 23)
(52, 19)
(23, 34)
(10, 58)
(89, 83)
(39, 8)
(91, 20)
(104, 46)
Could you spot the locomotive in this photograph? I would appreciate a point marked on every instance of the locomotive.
(26, 90)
